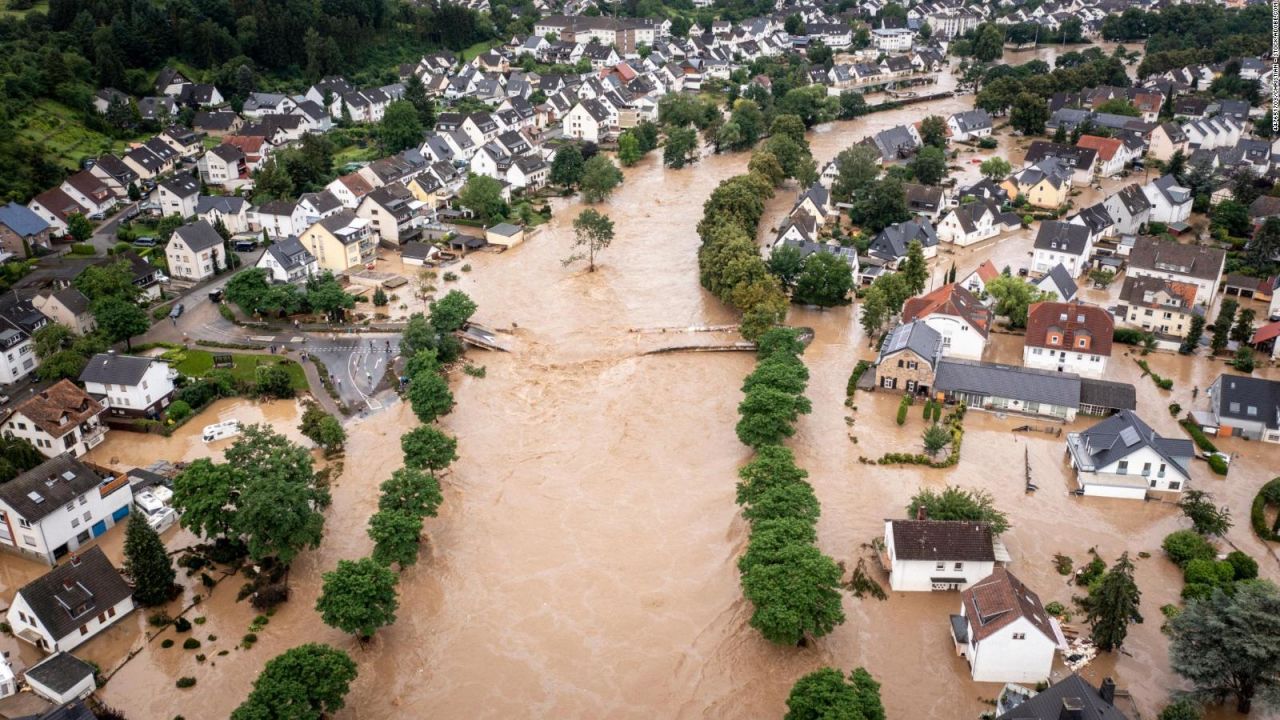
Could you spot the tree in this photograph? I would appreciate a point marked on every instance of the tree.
(929, 165)
(1182, 709)
(882, 204)
(278, 518)
(568, 166)
(786, 263)
(593, 231)
(119, 319)
(681, 144)
(412, 490)
(824, 694)
(773, 466)
(629, 149)
(768, 416)
(1207, 518)
(396, 535)
(988, 42)
(79, 227)
(308, 682)
(933, 131)
(100, 281)
(825, 280)
(401, 127)
(1195, 331)
(793, 155)
(856, 169)
(450, 313)
(415, 93)
(429, 395)
(1013, 297)
(1243, 330)
(955, 503)
(1222, 326)
(935, 438)
(428, 448)
(1229, 645)
(796, 594)
(147, 563)
(995, 168)
(1113, 604)
(202, 493)
(1266, 243)
(1232, 217)
(1118, 106)
(914, 270)
(1029, 115)
(273, 381)
(272, 182)
(766, 165)
(325, 295)
(266, 494)
(322, 428)
(483, 196)
(599, 177)
(358, 597)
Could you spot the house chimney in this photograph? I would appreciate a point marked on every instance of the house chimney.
(922, 513)
(1108, 691)
(75, 561)
(1072, 709)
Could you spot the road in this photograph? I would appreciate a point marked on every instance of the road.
(356, 362)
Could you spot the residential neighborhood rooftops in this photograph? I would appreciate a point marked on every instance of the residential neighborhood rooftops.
(199, 236)
(21, 220)
(1198, 261)
(914, 336)
(1108, 394)
(84, 586)
(1062, 237)
(1123, 434)
(1241, 397)
(942, 540)
(1069, 695)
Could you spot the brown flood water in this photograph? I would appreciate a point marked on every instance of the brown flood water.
(583, 564)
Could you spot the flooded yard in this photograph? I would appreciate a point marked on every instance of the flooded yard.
(584, 561)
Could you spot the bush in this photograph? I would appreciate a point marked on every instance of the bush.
(166, 643)
(1197, 591)
(159, 619)
(181, 625)
(858, 369)
(1128, 336)
(1094, 570)
(902, 409)
(82, 249)
(1218, 464)
(249, 639)
(1184, 546)
(186, 682)
(1206, 571)
(1175, 409)
(1243, 566)
(988, 143)
(1202, 441)
(1269, 494)
(1055, 608)
(160, 313)
(190, 644)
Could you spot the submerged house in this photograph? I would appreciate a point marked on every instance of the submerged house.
(928, 555)
(1122, 457)
(1004, 632)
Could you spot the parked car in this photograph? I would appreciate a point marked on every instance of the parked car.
(145, 241)
(244, 246)
(176, 311)
(216, 295)
(98, 216)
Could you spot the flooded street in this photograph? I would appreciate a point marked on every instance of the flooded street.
(584, 561)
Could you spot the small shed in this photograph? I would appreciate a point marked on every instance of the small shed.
(418, 254)
(61, 678)
(504, 235)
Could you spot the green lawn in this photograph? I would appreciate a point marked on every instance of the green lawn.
(475, 50)
(64, 134)
(355, 154)
(195, 363)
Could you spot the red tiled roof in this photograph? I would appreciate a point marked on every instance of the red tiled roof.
(987, 271)
(952, 300)
(998, 601)
(1105, 146)
(1069, 322)
(59, 408)
(1265, 333)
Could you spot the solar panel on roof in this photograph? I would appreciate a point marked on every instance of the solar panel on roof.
(1129, 436)
(35, 497)
(68, 475)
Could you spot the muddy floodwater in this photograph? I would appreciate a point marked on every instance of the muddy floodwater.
(584, 562)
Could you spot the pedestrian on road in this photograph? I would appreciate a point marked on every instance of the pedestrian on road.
(369, 376)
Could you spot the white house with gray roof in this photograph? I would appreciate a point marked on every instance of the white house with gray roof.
(71, 603)
(1170, 202)
(1061, 243)
(1122, 457)
(287, 261)
(57, 506)
(1241, 406)
(129, 386)
(194, 252)
(970, 125)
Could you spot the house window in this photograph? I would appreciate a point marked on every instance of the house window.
(1146, 469)
(940, 567)
(87, 515)
(84, 629)
(23, 523)
(29, 540)
(1019, 636)
(959, 566)
(84, 500)
(1175, 485)
(71, 506)
(75, 522)
(111, 612)
(1122, 468)
(102, 617)
(1161, 473)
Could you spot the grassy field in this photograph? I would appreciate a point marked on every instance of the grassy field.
(40, 6)
(195, 363)
(472, 52)
(63, 132)
(356, 154)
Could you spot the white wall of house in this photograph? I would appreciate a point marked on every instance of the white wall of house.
(154, 387)
(1018, 653)
(1064, 360)
(1205, 289)
(188, 265)
(21, 618)
(73, 441)
(916, 575)
(1045, 260)
(71, 525)
(959, 338)
(18, 362)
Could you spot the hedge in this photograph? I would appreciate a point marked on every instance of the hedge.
(1202, 441)
(858, 370)
(1258, 513)
(1128, 336)
(902, 409)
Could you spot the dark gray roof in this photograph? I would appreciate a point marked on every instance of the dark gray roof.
(95, 585)
(71, 711)
(1238, 395)
(21, 220)
(914, 336)
(226, 204)
(60, 672)
(181, 185)
(1062, 237)
(40, 491)
(1124, 433)
(1008, 381)
(290, 253)
(1107, 394)
(1062, 280)
(112, 369)
(199, 236)
(1052, 703)
(891, 243)
(1095, 217)
(71, 298)
(942, 540)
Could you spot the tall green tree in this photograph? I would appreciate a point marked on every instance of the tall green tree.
(593, 232)
(794, 596)
(681, 145)
(629, 149)
(428, 448)
(396, 535)
(450, 313)
(914, 269)
(568, 166)
(1265, 245)
(358, 597)
(308, 682)
(1195, 331)
(880, 205)
(1014, 296)
(995, 168)
(1113, 605)
(933, 131)
(929, 165)
(1229, 645)
(856, 169)
(599, 178)
(429, 395)
(1029, 114)
(147, 563)
(956, 503)
(322, 428)
(825, 280)
(825, 694)
(1206, 517)
(120, 319)
(412, 490)
(400, 128)
(415, 93)
(483, 196)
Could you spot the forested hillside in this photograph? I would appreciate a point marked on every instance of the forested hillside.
(52, 61)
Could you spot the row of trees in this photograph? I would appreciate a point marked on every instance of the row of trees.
(252, 291)
(359, 596)
(793, 586)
